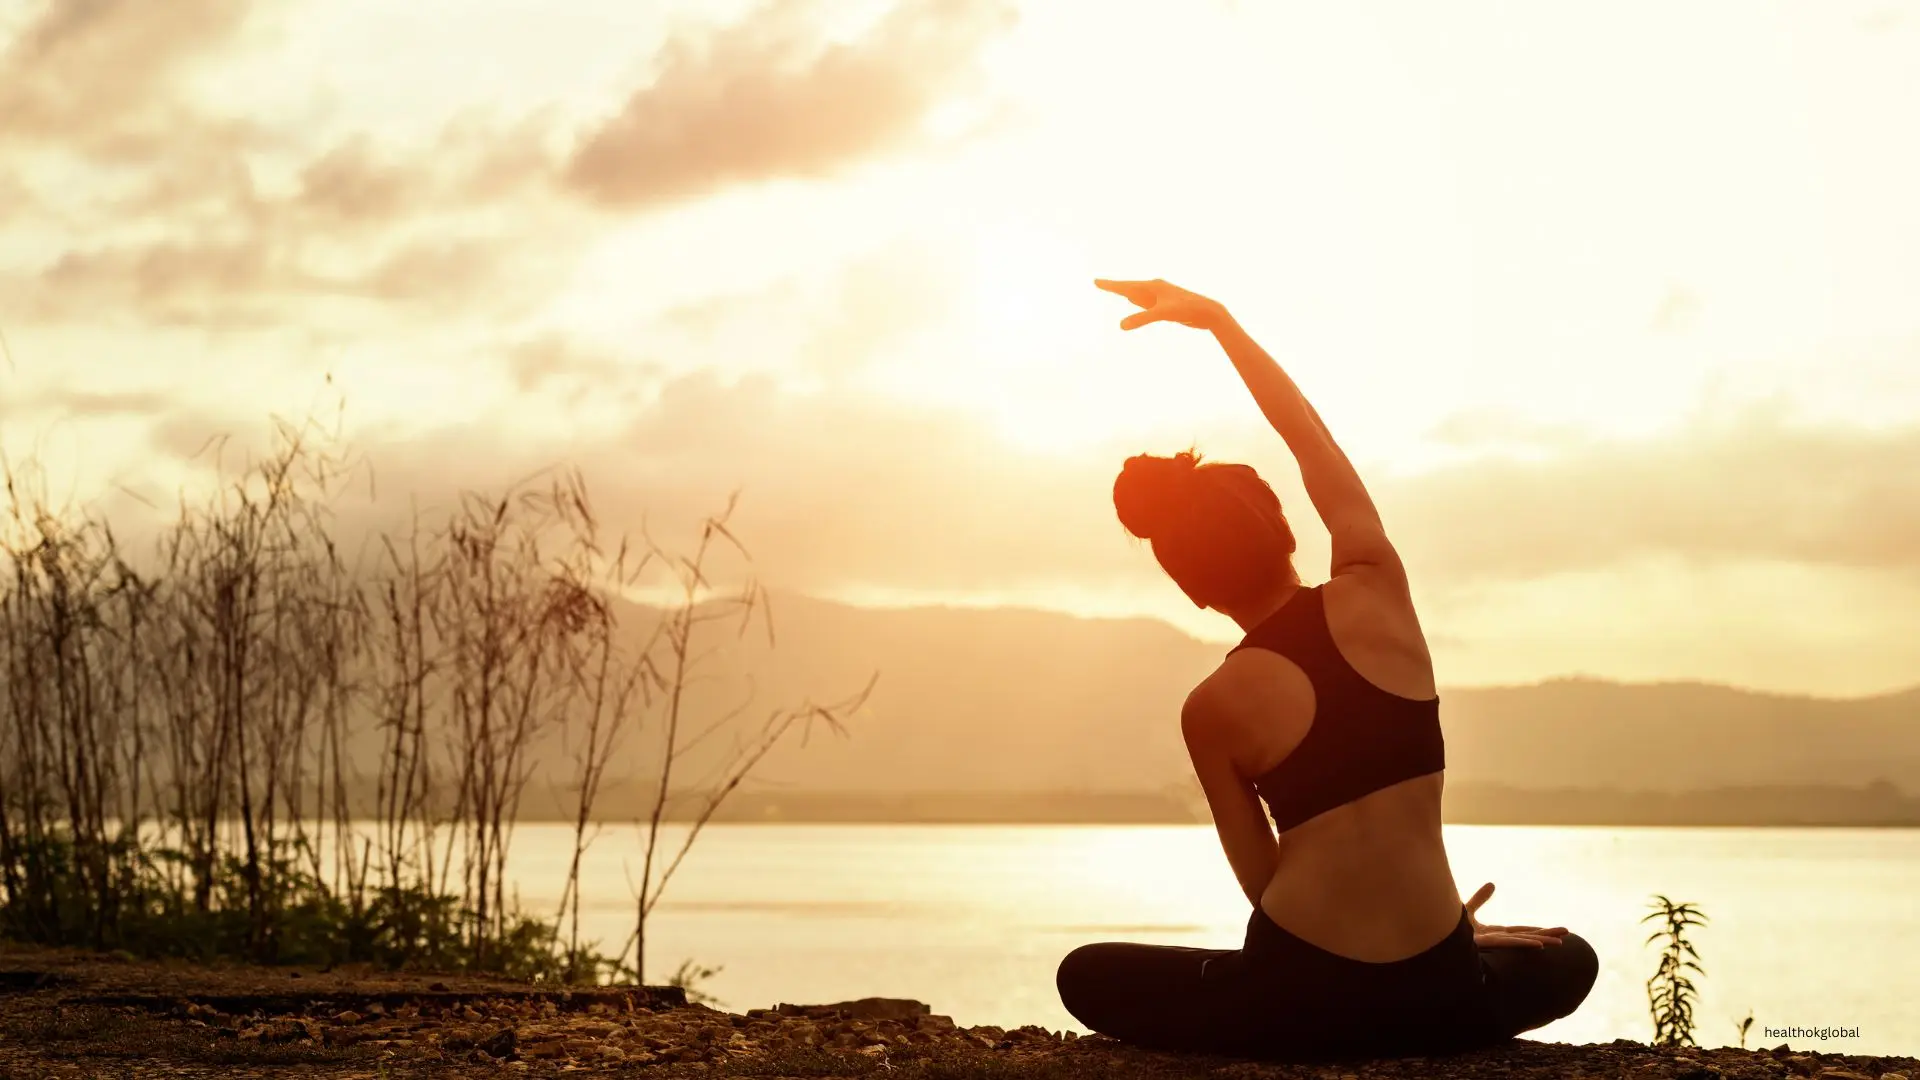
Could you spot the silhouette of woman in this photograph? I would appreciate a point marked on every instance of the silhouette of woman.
(1359, 944)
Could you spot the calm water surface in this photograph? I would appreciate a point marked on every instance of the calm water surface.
(1808, 927)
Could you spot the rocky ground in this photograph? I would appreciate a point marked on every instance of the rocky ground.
(76, 1015)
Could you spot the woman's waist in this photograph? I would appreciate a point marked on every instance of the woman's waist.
(1375, 911)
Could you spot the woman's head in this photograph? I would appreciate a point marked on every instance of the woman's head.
(1216, 528)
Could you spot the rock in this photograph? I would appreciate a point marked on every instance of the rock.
(346, 1016)
(438, 987)
(503, 1044)
(601, 1030)
(1842, 1074)
(1893, 1076)
(280, 1030)
(873, 1008)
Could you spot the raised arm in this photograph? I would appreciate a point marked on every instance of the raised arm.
(1338, 495)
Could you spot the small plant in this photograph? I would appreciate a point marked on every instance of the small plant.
(1670, 993)
(689, 976)
(1744, 1025)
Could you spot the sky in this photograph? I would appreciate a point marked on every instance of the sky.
(1613, 306)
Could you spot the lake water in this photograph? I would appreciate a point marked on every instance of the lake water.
(1807, 927)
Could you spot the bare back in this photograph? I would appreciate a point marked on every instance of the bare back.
(1369, 879)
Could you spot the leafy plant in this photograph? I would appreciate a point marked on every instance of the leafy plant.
(1670, 993)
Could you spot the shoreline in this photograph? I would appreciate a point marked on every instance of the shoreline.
(67, 1012)
(1466, 803)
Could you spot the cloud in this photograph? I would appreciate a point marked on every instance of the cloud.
(83, 70)
(843, 492)
(18, 202)
(351, 183)
(170, 223)
(551, 359)
(835, 491)
(163, 219)
(1749, 486)
(439, 272)
(758, 101)
(49, 403)
(196, 280)
(104, 403)
(476, 161)
(265, 263)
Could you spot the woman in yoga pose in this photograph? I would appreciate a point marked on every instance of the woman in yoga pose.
(1359, 943)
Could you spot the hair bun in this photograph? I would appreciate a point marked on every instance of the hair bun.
(1155, 494)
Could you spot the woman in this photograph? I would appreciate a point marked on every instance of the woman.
(1359, 944)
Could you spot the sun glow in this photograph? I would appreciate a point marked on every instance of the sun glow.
(1024, 323)
(1029, 344)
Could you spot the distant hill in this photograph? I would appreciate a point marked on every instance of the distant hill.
(1675, 736)
(973, 701)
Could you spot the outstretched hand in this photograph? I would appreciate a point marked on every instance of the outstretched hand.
(1162, 302)
(1521, 937)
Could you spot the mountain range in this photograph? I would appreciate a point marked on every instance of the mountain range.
(976, 702)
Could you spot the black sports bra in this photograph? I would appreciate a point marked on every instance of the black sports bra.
(1362, 739)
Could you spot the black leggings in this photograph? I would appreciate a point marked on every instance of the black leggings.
(1279, 997)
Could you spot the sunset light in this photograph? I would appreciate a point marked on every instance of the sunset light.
(962, 450)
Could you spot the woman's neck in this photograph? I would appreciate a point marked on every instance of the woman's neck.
(1254, 614)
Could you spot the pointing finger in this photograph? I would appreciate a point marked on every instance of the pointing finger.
(1136, 291)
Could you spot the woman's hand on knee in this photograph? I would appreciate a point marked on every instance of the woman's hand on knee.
(1517, 937)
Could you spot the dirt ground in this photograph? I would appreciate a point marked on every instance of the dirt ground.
(69, 1014)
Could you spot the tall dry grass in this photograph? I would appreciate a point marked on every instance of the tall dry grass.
(177, 764)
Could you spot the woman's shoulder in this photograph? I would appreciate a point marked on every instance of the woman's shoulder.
(1360, 598)
(1253, 702)
(1376, 630)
